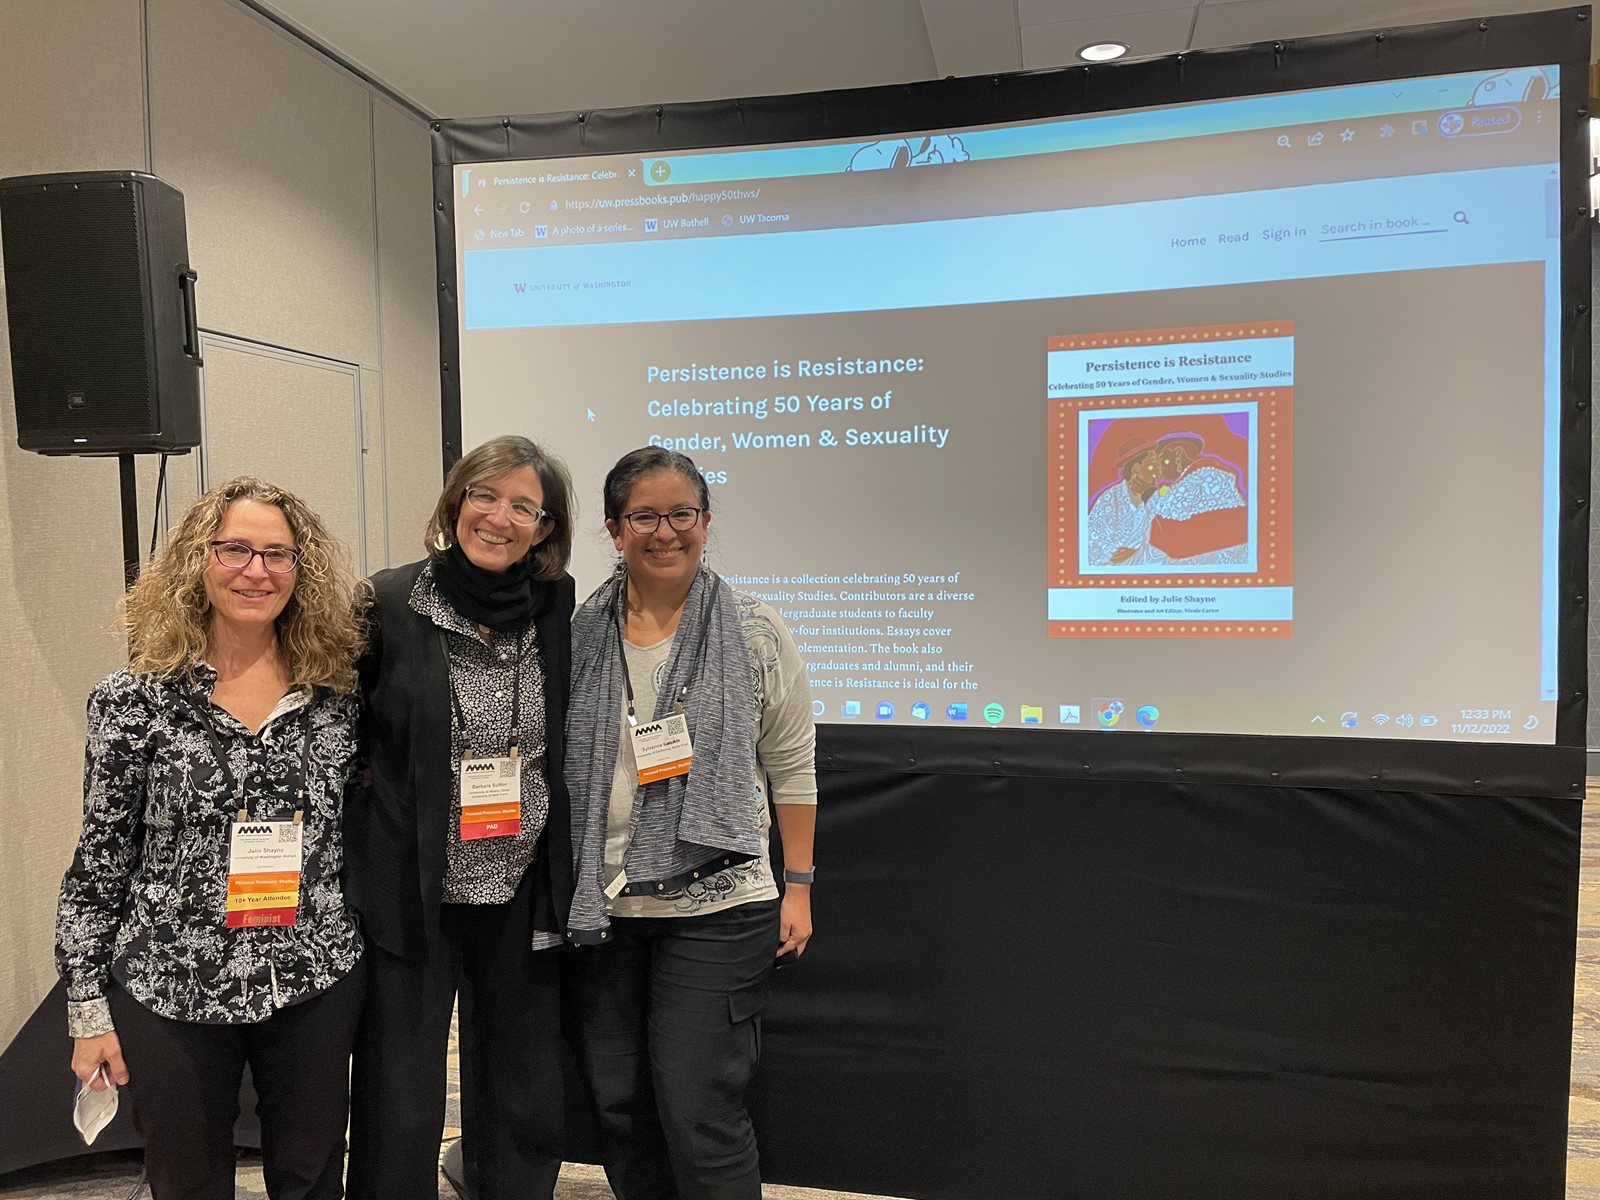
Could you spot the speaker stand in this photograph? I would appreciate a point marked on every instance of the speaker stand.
(130, 519)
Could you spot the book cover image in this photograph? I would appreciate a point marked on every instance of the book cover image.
(1170, 468)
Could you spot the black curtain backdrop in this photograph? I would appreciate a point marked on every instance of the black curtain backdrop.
(1072, 964)
(1039, 985)
(1057, 964)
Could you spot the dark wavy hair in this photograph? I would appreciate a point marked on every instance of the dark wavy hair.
(646, 460)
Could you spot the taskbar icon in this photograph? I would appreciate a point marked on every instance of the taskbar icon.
(1107, 712)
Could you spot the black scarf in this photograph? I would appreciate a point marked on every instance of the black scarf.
(502, 601)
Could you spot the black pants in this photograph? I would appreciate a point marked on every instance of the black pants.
(184, 1079)
(671, 1012)
(512, 1122)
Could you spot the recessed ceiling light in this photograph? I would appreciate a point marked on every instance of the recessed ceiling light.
(1103, 51)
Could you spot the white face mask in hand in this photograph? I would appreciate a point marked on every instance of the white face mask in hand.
(91, 1110)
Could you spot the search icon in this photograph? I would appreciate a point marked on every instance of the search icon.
(1283, 140)
(1461, 217)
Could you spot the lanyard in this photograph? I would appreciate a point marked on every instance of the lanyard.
(516, 692)
(221, 754)
(700, 649)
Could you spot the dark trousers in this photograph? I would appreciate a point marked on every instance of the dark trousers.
(513, 1120)
(184, 1079)
(671, 1012)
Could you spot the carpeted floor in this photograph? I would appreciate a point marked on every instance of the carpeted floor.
(114, 1176)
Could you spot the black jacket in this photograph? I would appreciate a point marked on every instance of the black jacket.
(397, 826)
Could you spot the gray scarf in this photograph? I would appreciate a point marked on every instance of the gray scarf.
(679, 824)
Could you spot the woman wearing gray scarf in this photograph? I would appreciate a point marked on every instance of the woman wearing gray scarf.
(690, 710)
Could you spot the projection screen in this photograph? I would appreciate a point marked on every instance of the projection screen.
(1228, 417)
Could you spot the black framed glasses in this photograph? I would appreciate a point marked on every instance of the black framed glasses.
(520, 511)
(644, 521)
(236, 556)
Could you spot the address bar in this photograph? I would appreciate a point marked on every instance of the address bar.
(662, 199)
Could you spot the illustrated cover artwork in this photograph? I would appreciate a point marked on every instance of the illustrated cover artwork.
(1171, 459)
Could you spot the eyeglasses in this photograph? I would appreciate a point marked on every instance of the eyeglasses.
(236, 556)
(643, 521)
(522, 513)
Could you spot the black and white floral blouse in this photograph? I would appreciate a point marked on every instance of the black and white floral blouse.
(145, 898)
(484, 677)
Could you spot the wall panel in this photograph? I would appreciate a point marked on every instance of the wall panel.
(71, 94)
(410, 325)
(291, 420)
(272, 150)
(374, 531)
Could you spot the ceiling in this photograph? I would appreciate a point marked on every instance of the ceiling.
(460, 58)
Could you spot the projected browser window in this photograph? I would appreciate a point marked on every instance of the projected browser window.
(1236, 417)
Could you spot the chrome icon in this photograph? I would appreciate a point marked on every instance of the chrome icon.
(1107, 713)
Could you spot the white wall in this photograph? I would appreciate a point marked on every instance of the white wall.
(310, 224)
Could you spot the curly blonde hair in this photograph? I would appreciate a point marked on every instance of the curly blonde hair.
(167, 614)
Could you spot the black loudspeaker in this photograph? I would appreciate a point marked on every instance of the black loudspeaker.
(105, 341)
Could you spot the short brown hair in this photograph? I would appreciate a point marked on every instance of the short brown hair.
(496, 457)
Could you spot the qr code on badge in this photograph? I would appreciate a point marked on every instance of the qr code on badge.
(508, 768)
(288, 833)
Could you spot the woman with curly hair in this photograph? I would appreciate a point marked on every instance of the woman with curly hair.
(202, 924)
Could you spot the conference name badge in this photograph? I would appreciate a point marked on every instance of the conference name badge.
(264, 860)
(491, 797)
(662, 749)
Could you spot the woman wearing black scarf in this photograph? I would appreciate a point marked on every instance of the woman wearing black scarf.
(459, 854)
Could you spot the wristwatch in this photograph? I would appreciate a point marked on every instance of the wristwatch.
(799, 876)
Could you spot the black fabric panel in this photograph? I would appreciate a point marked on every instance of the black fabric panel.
(1524, 39)
(36, 1090)
(444, 253)
(1577, 287)
(1117, 988)
(1357, 764)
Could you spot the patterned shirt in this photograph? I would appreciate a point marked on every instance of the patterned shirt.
(484, 678)
(145, 898)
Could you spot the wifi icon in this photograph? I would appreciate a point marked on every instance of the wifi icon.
(1380, 718)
